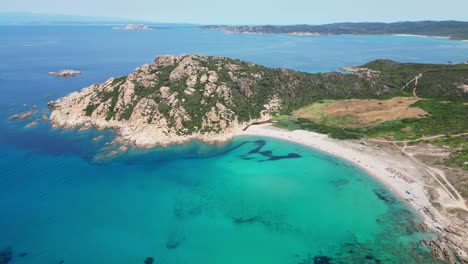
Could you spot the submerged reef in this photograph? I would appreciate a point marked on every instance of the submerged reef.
(267, 153)
(6, 255)
(382, 195)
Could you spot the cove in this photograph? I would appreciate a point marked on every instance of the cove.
(254, 200)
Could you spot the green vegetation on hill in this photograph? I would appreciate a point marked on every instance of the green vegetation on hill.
(458, 158)
(443, 81)
(245, 88)
(250, 88)
(437, 82)
(446, 118)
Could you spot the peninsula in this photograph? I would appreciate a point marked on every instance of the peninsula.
(456, 30)
(383, 116)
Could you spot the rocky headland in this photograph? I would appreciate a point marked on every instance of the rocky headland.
(178, 99)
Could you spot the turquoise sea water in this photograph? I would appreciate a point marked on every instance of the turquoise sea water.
(255, 200)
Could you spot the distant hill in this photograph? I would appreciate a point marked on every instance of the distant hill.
(451, 29)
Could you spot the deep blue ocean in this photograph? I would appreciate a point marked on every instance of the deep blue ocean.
(61, 203)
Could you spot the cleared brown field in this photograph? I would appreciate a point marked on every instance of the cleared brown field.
(361, 112)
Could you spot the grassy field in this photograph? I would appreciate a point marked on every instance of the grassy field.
(441, 118)
(355, 113)
(432, 117)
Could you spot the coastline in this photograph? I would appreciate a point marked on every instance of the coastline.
(331, 147)
(302, 34)
(402, 176)
(422, 36)
(386, 166)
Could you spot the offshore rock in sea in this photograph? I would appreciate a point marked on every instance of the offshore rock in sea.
(23, 115)
(65, 73)
(33, 123)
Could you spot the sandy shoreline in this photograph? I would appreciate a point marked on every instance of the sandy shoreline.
(382, 166)
(301, 34)
(420, 36)
(402, 176)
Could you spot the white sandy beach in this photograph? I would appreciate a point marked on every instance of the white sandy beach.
(392, 169)
(420, 36)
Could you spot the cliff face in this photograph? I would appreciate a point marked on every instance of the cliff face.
(176, 99)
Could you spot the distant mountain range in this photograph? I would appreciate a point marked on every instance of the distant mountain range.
(450, 29)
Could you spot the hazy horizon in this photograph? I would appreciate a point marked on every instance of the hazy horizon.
(33, 17)
(250, 12)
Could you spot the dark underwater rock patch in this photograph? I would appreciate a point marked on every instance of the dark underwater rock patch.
(372, 259)
(339, 182)
(6, 255)
(382, 195)
(266, 153)
(289, 156)
(248, 220)
(316, 260)
(322, 260)
(149, 260)
(173, 244)
(275, 223)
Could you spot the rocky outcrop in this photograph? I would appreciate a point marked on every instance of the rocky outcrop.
(23, 115)
(362, 72)
(65, 73)
(33, 123)
(172, 100)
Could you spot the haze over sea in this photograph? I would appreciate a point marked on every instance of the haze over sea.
(193, 203)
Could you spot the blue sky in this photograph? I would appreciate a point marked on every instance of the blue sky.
(251, 11)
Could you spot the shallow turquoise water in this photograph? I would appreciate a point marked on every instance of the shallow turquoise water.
(192, 203)
(200, 204)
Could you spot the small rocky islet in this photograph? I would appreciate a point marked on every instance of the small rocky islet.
(29, 114)
(65, 73)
